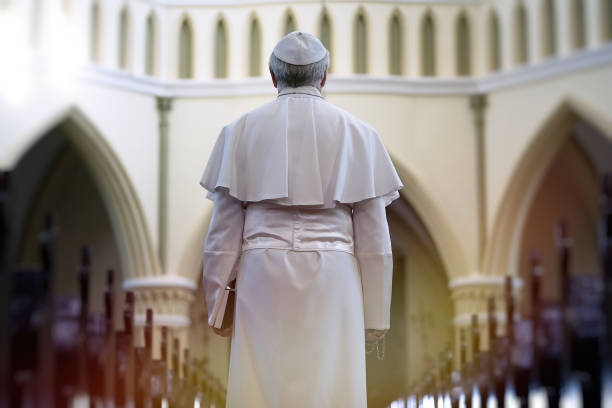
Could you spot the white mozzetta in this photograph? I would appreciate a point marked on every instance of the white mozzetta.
(301, 169)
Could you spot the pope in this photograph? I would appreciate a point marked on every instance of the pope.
(300, 188)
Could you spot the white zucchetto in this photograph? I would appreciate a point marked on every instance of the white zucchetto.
(300, 48)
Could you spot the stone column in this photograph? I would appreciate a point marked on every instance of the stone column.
(164, 105)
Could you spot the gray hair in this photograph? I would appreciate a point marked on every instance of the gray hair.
(289, 75)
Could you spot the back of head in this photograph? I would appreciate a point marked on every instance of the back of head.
(299, 59)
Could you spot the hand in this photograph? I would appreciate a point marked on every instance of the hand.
(374, 335)
(223, 332)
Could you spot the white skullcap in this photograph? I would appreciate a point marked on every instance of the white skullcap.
(300, 48)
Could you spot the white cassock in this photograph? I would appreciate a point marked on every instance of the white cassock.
(299, 188)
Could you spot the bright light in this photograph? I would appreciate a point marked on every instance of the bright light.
(398, 404)
(447, 401)
(571, 395)
(55, 62)
(80, 401)
(538, 398)
(62, 57)
(607, 399)
(510, 398)
(476, 400)
(492, 401)
(462, 401)
(15, 77)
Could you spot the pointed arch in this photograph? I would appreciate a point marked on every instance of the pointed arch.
(150, 45)
(605, 20)
(549, 28)
(94, 32)
(503, 248)
(360, 51)
(463, 47)
(221, 49)
(255, 48)
(185, 62)
(123, 49)
(494, 42)
(521, 35)
(428, 45)
(578, 28)
(137, 251)
(395, 44)
(290, 25)
(325, 34)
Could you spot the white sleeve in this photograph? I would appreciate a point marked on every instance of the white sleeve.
(222, 250)
(373, 252)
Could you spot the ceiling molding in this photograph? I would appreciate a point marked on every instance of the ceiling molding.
(239, 3)
(356, 84)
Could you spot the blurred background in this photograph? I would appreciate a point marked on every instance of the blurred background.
(496, 113)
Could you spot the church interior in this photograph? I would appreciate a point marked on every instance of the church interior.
(496, 113)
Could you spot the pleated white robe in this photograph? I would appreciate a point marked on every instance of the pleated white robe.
(312, 270)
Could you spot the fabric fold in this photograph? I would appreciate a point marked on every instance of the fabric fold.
(315, 154)
(374, 254)
(222, 250)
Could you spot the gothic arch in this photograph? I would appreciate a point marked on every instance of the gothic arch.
(605, 20)
(255, 50)
(326, 33)
(186, 57)
(137, 252)
(396, 43)
(521, 34)
(463, 45)
(549, 28)
(289, 22)
(152, 28)
(360, 42)
(428, 44)
(123, 45)
(503, 245)
(494, 41)
(95, 17)
(221, 48)
(446, 242)
(578, 24)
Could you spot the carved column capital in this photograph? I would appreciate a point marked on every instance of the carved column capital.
(471, 294)
(170, 297)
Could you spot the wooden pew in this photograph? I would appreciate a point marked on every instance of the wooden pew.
(125, 367)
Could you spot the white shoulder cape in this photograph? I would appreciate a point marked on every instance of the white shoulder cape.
(301, 150)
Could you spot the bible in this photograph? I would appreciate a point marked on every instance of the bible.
(225, 317)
